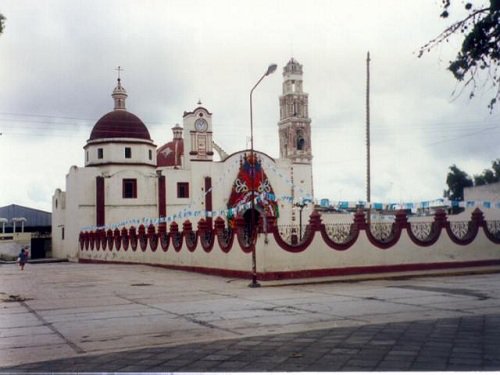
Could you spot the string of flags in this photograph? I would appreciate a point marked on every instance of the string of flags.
(190, 213)
(325, 203)
(436, 203)
(192, 210)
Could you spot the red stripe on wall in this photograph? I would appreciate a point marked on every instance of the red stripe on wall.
(162, 198)
(327, 272)
(99, 202)
(208, 199)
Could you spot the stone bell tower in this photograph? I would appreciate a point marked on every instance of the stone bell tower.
(295, 124)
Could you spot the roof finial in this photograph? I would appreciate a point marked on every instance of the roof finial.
(199, 102)
(119, 69)
(119, 93)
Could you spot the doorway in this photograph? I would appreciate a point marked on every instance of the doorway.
(249, 224)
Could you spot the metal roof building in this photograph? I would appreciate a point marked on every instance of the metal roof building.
(35, 219)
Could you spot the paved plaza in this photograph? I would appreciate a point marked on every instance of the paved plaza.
(80, 317)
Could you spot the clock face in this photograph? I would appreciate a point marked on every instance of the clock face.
(201, 125)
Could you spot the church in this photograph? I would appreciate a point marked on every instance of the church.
(128, 180)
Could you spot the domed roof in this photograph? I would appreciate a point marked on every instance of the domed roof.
(119, 124)
(169, 155)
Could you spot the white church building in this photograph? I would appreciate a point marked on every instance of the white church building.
(127, 178)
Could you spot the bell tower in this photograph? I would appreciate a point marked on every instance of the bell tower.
(295, 124)
(198, 134)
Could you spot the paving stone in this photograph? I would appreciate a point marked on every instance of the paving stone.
(199, 366)
(393, 365)
(229, 366)
(466, 361)
(176, 363)
(362, 363)
(342, 350)
(292, 367)
(130, 368)
(461, 367)
(215, 357)
(371, 354)
(428, 366)
(324, 366)
(257, 367)
(271, 358)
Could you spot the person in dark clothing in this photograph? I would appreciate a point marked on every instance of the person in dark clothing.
(22, 258)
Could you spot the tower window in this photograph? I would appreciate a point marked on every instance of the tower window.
(100, 153)
(150, 155)
(300, 140)
(183, 190)
(128, 152)
(129, 188)
(300, 144)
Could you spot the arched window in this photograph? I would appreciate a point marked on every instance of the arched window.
(300, 140)
(300, 144)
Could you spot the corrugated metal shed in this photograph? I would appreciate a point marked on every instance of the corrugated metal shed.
(34, 217)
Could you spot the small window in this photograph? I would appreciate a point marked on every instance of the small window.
(128, 152)
(129, 188)
(100, 153)
(150, 155)
(300, 144)
(300, 140)
(183, 190)
(62, 233)
(87, 156)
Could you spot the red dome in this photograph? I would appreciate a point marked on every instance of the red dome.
(169, 155)
(119, 124)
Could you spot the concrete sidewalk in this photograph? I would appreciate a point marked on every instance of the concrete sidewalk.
(74, 317)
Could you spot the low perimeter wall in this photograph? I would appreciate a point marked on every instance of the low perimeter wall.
(338, 250)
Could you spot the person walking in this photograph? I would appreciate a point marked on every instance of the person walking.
(23, 258)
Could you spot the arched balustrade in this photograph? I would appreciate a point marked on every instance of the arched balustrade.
(340, 237)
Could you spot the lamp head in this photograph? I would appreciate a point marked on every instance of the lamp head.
(271, 69)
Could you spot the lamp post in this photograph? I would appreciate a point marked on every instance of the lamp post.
(300, 206)
(254, 284)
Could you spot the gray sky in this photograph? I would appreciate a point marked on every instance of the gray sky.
(57, 61)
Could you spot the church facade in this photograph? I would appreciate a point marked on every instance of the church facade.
(127, 178)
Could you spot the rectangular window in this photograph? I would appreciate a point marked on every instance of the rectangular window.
(150, 155)
(183, 190)
(128, 152)
(129, 188)
(100, 153)
(86, 156)
(62, 233)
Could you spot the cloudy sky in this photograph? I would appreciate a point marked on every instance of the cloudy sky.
(57, 71)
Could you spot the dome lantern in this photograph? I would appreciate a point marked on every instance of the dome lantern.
(119, 93)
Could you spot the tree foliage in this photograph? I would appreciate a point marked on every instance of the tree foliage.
(480, 51)
(457, 180)
(489, 176)
(2, 19)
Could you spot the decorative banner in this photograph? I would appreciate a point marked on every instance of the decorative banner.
(340, 205)
(191, 211)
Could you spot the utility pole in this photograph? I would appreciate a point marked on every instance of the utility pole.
(368, 182)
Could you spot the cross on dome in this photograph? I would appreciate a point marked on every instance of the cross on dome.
(119, 69)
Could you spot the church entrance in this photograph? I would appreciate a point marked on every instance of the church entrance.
(247, 217)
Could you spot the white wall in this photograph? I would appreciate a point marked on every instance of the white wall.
(318, 256)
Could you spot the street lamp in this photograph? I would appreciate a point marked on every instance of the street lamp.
(300, 206)
(254, 284)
